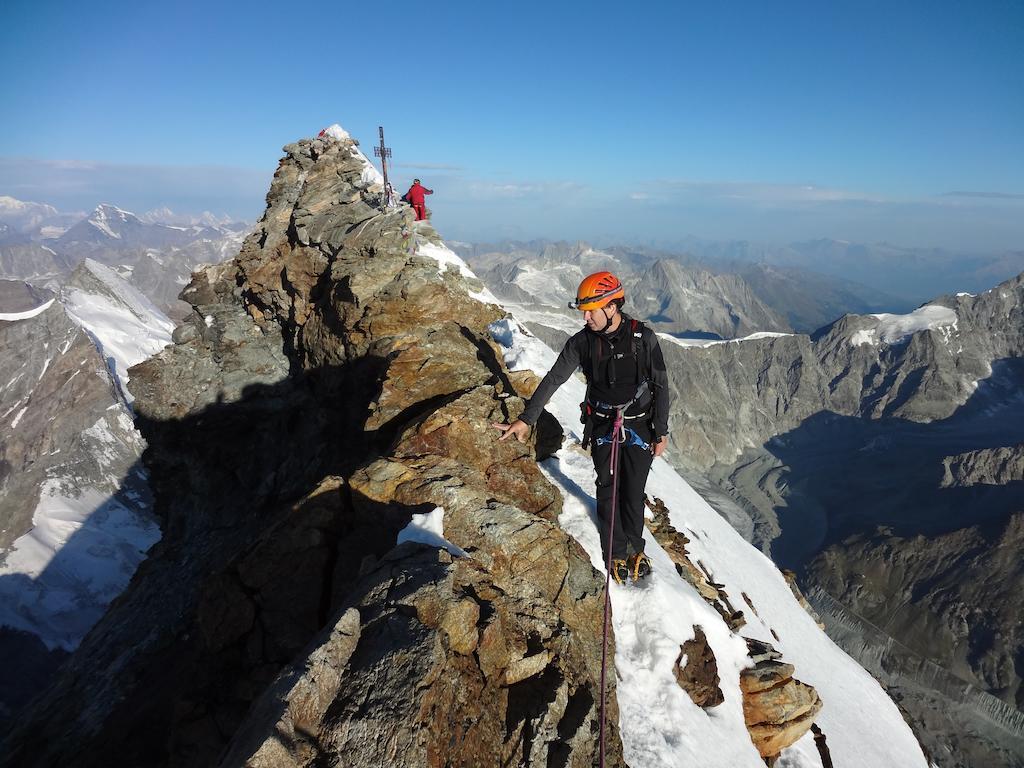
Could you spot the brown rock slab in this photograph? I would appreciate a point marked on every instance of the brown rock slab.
(696, 671)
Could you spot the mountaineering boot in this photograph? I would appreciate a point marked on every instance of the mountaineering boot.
(640, 566)
(620, 571)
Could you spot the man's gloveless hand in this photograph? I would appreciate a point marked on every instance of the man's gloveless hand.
(518, 428)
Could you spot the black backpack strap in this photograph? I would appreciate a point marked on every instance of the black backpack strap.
(586, 412)
(634, 324)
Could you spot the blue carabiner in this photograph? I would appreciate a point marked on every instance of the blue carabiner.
(632, 438)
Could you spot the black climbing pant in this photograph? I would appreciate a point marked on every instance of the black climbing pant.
(634, 465)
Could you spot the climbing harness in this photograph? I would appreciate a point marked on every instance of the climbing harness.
(614, 461)
(593, 409)
(627, 437)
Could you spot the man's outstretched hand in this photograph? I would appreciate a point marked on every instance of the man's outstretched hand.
(518, 428)
(659, 447)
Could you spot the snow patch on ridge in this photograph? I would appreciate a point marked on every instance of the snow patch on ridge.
(27, 314)
(892, 329)
(447, 258)
(685, 342)
(428, 529)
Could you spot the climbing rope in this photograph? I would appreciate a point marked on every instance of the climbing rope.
(613, 460)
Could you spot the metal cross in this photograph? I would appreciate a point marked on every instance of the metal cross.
(383, 153)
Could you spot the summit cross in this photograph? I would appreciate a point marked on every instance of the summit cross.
(383, 153)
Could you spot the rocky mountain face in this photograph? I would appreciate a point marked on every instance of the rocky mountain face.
(722, 291)
(331, 383)
(920, 367)
(670, 294)
(157, 258)
(17, 297)
(38, 263)
(951, 647)
(987, 466)
(680, 300)
(74, 502)
(353, 570)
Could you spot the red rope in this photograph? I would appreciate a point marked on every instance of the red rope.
(613, 460)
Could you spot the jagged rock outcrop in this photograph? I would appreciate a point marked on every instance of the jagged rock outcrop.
(331, 382)
(696, 671)
(778, 709)
(987, 466)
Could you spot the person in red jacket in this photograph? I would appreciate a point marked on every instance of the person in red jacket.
(415, 197)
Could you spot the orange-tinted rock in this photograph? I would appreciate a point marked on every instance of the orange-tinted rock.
(777, 708)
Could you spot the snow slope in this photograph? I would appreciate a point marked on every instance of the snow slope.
(125, 325)
(85, 544)
(659, 724)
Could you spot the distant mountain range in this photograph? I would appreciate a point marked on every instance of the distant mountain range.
(910, 274)
(156, 252)
(676, 291)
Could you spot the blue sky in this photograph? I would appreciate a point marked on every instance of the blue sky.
(632, 122)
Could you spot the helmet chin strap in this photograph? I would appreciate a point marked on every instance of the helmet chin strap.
(607, 317)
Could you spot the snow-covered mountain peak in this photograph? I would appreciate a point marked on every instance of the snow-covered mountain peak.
(21, 214)
(10, 204)
(164, 215)
(111, 220)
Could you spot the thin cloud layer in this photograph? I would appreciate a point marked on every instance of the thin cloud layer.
(473, 207)
(80, 185)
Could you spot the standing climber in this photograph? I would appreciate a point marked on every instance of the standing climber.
(415, 197)
(624, 368)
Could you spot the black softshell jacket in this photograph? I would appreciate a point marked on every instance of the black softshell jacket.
(577, 348)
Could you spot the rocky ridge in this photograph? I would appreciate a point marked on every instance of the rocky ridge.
(333, 339)
(330, 395)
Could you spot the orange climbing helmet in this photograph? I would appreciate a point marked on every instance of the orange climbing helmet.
(596, 290)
